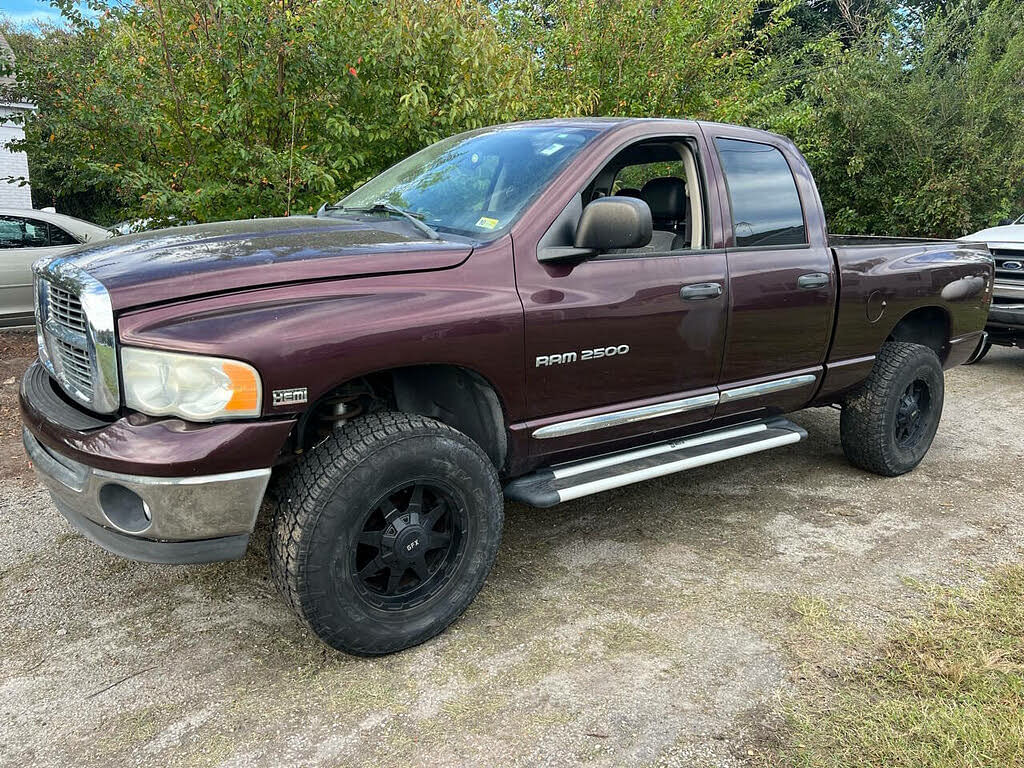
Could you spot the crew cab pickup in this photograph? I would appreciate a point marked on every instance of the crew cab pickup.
(537, 311)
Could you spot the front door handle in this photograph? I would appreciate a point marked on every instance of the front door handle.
(700, 291)
(813, 280)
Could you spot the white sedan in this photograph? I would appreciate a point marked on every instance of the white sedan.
(26, 236)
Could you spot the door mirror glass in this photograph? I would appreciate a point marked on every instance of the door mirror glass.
(611, 223)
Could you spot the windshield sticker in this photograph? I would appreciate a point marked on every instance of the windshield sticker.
(486, 223)
(551, 149)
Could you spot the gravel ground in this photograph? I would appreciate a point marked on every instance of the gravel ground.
(664, 624)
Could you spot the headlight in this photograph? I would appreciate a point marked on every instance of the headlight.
(194, 387)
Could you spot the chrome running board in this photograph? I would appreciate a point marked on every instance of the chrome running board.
(564, 482)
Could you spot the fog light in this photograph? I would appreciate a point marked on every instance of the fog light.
(124, 508)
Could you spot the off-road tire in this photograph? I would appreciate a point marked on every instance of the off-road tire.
(869, 423)
(319, 519)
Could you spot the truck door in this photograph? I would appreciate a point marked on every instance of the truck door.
(626, 343)
(782, 289)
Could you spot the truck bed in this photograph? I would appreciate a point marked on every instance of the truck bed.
(887, 278)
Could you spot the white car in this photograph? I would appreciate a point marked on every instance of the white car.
(1006, 317)
(26, 236)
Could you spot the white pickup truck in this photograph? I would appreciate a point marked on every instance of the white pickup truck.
(1006, 317)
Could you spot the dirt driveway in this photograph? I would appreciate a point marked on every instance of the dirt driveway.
(663, 624)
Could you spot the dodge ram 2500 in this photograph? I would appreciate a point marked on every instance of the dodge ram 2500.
(537, 311)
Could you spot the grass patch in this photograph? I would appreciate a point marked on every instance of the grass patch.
(947, 690)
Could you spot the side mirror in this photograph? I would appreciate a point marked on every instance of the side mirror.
(610, 223)
(606, 224)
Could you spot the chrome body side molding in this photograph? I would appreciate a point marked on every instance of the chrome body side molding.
(767, 387)
(629, 416)
(632, 415)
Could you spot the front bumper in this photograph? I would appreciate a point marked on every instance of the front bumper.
(159, 490)
(156, 519)
(1007, 315)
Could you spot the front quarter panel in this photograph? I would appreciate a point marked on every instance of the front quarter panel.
(318, 335)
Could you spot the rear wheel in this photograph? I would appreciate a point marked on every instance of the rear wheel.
(384, 533)
(888, 424)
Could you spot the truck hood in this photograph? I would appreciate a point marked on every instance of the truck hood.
(1011, 235)
(184, 262)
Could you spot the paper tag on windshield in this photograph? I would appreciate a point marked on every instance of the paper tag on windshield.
(551, 149)
(486, 223)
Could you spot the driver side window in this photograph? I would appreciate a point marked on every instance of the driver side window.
(663, 173)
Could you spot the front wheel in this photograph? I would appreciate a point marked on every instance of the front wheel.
(384, 533)
(888, 423)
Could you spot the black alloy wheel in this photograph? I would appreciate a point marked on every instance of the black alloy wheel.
(410, 543)
(888, 423)
(913, 414)
(384, 533)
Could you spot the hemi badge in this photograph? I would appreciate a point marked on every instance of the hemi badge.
(292, 396)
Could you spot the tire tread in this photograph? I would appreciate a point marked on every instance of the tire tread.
(863, 428)
(301, 492)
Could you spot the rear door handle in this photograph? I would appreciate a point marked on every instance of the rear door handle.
(813, 280)
(700, 291)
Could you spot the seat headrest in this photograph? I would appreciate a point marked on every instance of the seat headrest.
(629, 192)
(666, 197)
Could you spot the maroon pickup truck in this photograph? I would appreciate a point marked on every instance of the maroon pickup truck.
(538, 311)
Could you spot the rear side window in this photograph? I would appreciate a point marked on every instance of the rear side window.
(762, 195)
(59, 237)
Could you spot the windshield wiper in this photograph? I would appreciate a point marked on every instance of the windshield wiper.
(382, 206)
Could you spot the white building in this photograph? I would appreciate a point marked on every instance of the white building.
(11, 163)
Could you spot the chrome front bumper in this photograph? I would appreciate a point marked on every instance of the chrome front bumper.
(156, 519)
(1009, 315)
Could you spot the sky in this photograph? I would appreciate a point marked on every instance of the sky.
(29, 12)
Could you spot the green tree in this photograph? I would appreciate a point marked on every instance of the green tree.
(236, 108)
(909, 112)
(643, 57)
(918, 131)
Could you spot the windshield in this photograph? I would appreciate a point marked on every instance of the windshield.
(474, 184)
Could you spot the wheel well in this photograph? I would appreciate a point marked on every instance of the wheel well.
(928, 326)
(456, 396)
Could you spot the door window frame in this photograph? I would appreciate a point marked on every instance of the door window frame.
(692, 142)
(43, 224)
(810, 200)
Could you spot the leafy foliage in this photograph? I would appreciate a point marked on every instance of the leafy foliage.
(909, 113)
(917, 130)
(237, 108)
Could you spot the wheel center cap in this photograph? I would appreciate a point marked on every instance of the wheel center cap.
(410, 542)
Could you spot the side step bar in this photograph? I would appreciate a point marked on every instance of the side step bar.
(563, 482)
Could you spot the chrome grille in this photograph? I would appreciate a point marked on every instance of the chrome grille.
(75, 364)
(66, 309)
(75, 328)
(1009, 264)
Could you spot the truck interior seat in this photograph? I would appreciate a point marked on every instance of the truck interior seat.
(630, 192)
(667, 199)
